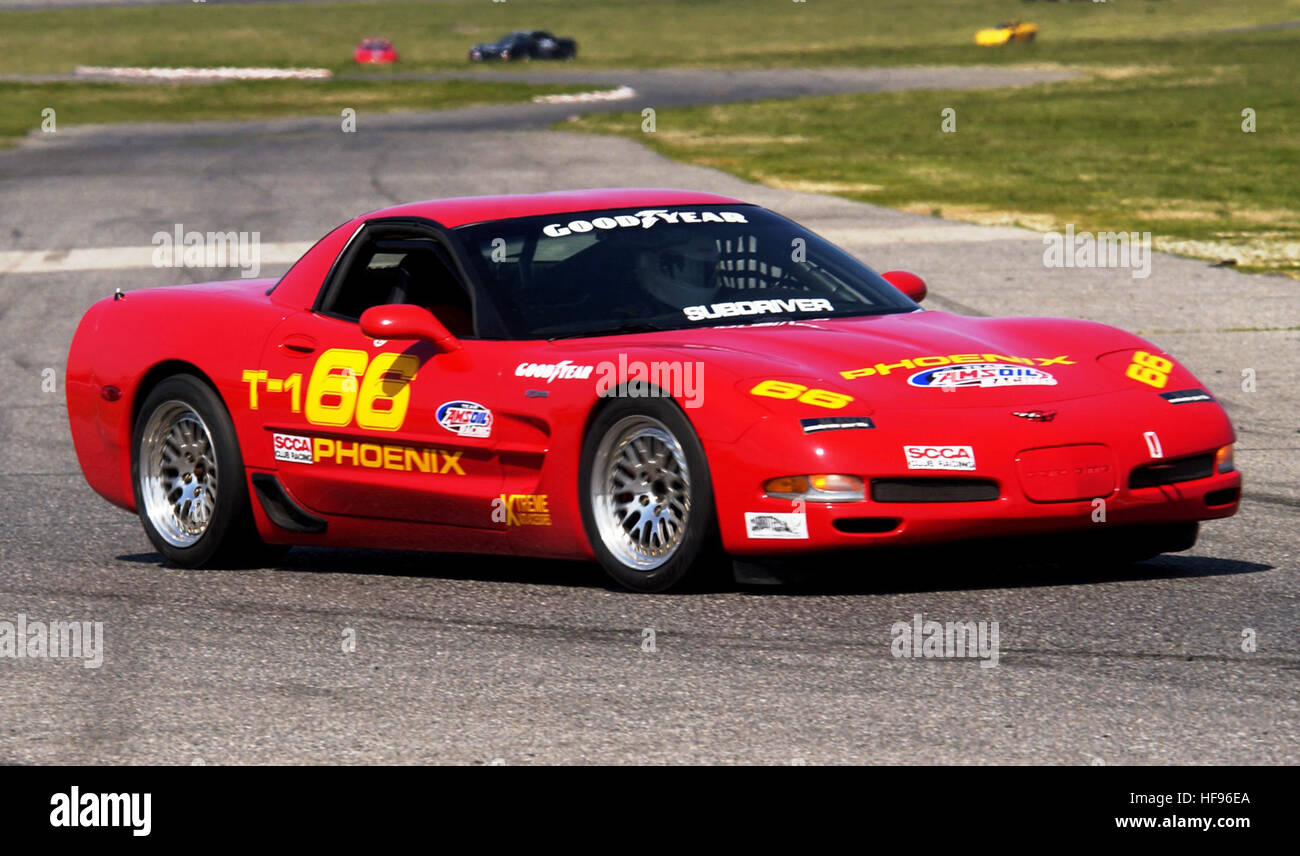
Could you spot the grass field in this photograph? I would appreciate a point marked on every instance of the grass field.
(610, 33)
(87, 103)
(1149, 140)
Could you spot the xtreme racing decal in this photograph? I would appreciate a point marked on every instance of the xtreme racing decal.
(521, 509)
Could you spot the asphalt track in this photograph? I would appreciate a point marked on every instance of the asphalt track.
(469, 660)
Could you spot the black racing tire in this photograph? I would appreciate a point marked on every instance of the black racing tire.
(185, 443)
(675, 499)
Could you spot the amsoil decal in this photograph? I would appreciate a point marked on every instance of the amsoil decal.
(521, 509)
(982, 375)
(466, 418)
(292, 447)
(1186, 396)
(776, 524)
(641, 219)
(913, 363)
(836, 423)
(757, 307)
(939, 457)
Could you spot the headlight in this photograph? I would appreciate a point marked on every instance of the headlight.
(1223, 459)
(822, 487)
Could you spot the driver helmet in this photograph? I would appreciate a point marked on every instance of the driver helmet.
(682, 273)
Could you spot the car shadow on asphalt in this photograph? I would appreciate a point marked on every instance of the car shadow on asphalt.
(875, 572)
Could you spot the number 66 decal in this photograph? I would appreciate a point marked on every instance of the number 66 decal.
(379, 403)
(1149, 369)
(797, 391)
(334, 397)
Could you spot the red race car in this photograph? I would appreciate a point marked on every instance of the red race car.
(378, 51)
(647, 378)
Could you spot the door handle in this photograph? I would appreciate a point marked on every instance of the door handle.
(298, 345)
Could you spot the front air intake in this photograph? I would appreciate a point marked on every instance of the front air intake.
(933, 490)
(1173, 471)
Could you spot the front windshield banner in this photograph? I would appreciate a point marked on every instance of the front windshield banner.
(631, 270)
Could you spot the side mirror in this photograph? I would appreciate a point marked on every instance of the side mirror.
(908, 283)
(407, 321)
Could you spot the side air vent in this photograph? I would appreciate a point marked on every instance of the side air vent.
(281, 508)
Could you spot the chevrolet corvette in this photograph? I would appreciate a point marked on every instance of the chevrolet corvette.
(655, 380)
(525, 44)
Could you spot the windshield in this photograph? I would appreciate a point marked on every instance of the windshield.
(632, 269)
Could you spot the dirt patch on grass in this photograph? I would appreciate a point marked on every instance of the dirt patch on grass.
(804, 186)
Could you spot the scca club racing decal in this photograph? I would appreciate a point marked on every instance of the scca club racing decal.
(465, 418)
(757, 307)
(982, 375)
(374, 456)
(776, 524)
(939, 457)
(641, 219)
(936, 360)
(291, 447)
(521, 509)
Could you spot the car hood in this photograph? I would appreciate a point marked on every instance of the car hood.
(884, 359)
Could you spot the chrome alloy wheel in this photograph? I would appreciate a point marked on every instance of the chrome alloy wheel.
(178, 473)
(641, 492)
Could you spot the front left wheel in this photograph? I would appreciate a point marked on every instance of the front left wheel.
(188, 477)
(647, 499)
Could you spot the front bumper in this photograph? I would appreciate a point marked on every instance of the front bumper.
(1003, 495)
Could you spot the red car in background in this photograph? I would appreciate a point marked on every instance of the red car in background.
(647, 378)
(375, 50)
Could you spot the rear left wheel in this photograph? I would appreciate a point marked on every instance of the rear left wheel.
(188, 477)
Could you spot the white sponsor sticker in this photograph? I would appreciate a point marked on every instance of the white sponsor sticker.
(641, 219)
(982, 375)
(939, 457)
(548, 372)
(292, 447)
(757, 307)
(1153, 444)
(776, 524)
(466, 418)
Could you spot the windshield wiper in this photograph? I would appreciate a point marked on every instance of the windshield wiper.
(634, 327)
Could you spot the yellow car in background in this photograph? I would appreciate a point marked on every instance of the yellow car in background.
(1005, 34)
